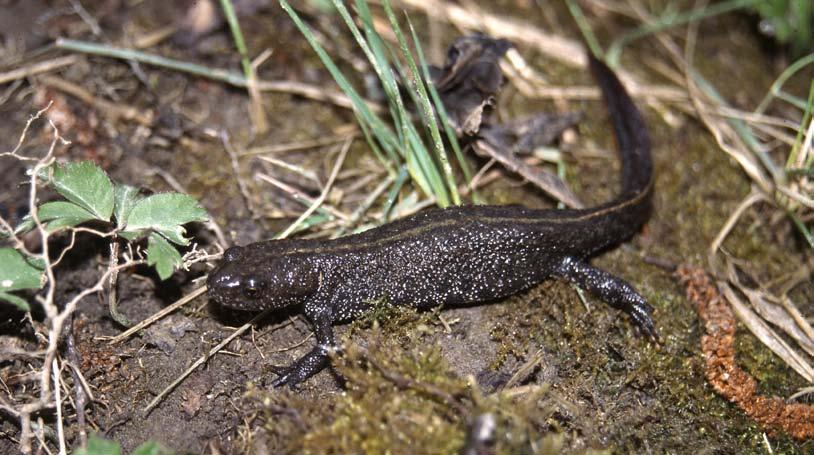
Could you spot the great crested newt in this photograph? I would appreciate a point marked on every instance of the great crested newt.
(451, 256)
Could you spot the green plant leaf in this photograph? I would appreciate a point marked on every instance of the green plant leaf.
(152, 448)
(165, 213)
(51, 211)
(86, 185)
(124, 198)
(99, 446)
(56, 215)
(162, 255)
(25, 225)
(16, 272)
(19, 302)
(62, 223)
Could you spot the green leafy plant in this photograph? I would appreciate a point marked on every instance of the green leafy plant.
(100, 446)
(90, 196)
(18, 272)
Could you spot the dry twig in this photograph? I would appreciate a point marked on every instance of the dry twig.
(114, 111)
(37, 68)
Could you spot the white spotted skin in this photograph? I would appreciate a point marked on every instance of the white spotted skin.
(452, 256)
(466, 264)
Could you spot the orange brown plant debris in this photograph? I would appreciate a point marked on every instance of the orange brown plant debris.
(729, 380)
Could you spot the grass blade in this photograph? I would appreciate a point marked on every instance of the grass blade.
(428, 117)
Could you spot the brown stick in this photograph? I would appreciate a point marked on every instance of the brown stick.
(178, 304)
(112, 110)
(37, 68)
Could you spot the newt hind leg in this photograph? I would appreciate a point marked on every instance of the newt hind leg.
(614, 291)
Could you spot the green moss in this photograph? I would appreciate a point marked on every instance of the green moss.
(402, 400)
(376, 414)
(774, 377)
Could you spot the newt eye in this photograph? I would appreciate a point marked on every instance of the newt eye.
(251, 293)
(253, 288)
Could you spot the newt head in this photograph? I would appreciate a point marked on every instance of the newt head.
(247, 279)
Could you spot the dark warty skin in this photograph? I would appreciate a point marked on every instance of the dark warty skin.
(449, 256)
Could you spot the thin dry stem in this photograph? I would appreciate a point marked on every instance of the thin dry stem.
(297, 194)
(241, 184)
(21, 140)
(37, 68)
(114, 111)
(146, 411)
(257, 109)
(58, 403)
(155, 317)
(730, 223)
(341, 159)
(295, 146)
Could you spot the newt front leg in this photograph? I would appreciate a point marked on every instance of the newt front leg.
(321, 317)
